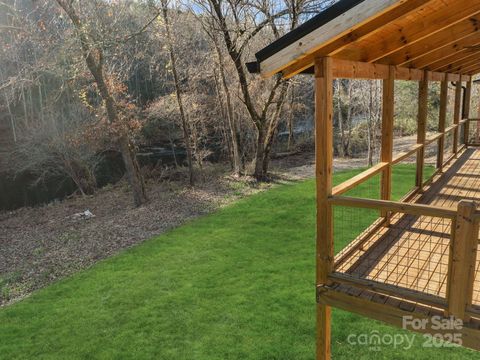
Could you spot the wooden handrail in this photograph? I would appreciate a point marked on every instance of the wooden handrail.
(395, 206)
(358, 179)
(407, 154)
(433, 139)
(374, 170)
(451, 128)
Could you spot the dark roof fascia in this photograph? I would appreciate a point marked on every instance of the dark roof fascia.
(254, 68)
(314, 23)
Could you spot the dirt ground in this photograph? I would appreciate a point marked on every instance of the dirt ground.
(42, 244)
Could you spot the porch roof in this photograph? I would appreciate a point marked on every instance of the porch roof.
(436, 35)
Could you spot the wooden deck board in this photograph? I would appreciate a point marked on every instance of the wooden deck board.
(413, 251)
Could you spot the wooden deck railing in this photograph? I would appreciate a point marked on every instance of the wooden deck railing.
(464, 242)
(418, 150)
(464, 222)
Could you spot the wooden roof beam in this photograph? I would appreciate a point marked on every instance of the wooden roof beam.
(467, 29)
(351, 20)
(447, 14)
(444, 52)
(346, 69)
(462, 55)
(460, 66)
(354, 35)
(468, 69)
(474, 71)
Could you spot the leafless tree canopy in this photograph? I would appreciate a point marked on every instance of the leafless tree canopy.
(79, 78)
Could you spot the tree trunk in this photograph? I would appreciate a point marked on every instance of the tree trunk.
(273, 126)
(258, 172)
(134, 175)
(237, 163)
(185, 128)
(290, 123)
(268, 148)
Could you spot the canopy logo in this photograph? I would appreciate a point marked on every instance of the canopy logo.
(442, 332)
(375, 341)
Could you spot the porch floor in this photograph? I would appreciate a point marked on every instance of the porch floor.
(413, 251)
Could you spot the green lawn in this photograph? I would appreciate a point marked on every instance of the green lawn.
(237, 284)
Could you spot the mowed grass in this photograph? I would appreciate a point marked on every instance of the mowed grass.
(237, 284)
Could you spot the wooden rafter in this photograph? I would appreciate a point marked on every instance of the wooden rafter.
(467, 29)
(460, 66)
(439, 16)
(436, 35)
(354, 35)
(444, 51)
(471, 68)
(440, 63)
(474, 71)
(353, 19)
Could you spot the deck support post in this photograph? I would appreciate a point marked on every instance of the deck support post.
(477, 127)
(456, 115)
(441, 121)
(421, 128)
(387, 134)
(462, 261)
(324, 172)
(466, 111)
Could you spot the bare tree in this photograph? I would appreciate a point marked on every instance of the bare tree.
(236, 38)
(178, 91)
(93, 54)
(232, 124)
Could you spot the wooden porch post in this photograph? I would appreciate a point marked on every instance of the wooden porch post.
(463, 254)
(441, 121)
(324, 169)
(457, 114)
(466, 111)
(477, 126)
(422, 127)
(387, 133)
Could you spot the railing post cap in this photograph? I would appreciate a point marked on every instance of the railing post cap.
(467, 203)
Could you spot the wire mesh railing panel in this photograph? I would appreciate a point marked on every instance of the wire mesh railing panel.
(450, 106)
(461, 134)
(404, 173)
(433, 96)
(412, 252)
(350, 222)
(369, 189)
(474, 132)
(448, 146)
(430, 162)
